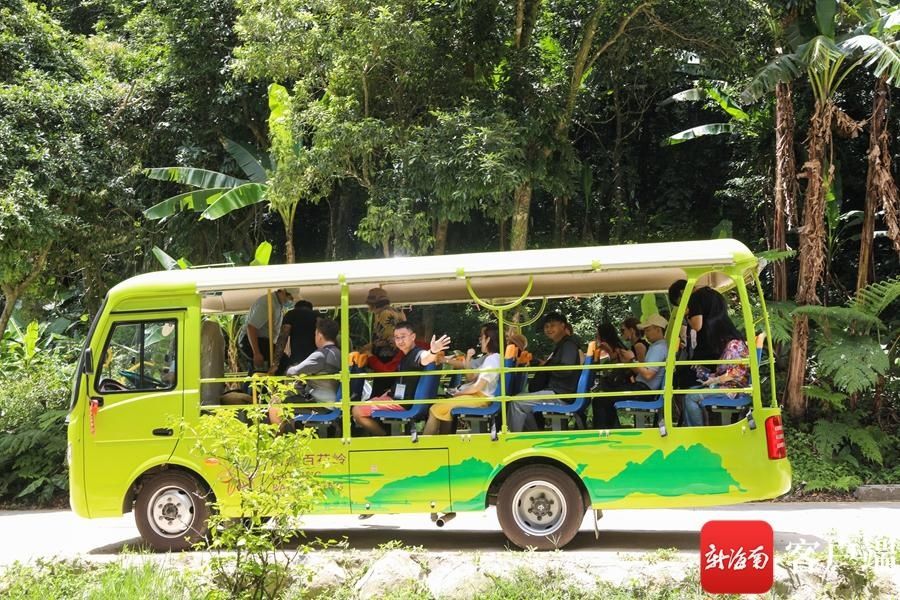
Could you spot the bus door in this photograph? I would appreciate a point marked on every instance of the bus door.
(134, 403)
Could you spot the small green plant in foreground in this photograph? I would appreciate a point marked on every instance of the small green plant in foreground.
(273, 489)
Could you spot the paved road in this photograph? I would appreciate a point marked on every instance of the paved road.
(27, 535)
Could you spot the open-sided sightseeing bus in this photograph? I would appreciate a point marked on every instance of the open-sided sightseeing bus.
(124, 454)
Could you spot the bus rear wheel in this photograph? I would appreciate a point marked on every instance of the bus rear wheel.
(540, 507)
(171, 511)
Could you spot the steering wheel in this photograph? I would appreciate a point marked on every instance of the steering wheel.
(111, 385)
(135, 379)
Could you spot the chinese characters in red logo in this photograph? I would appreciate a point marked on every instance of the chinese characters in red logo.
(736, 557)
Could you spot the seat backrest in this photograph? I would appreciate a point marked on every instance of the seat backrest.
(212, 361)
(427, 387)
(510, 378)
(585, 379)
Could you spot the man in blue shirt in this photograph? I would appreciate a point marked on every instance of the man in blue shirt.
(654, 329)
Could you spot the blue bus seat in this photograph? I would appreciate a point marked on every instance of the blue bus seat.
(558, 414)
(727, 407)
(324, 420)
(484, 419)
(645, 412)
(399, 420)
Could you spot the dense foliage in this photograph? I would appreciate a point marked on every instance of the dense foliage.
(352, 128)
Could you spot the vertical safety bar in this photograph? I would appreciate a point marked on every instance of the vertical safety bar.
(345, 358)
(750, 331)
(769, 344)
(673, 338)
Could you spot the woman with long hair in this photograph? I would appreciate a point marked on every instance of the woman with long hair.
(478, 393)
(632, 334)
(723, 339)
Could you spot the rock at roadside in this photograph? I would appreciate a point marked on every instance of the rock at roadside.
(878, 493)
(320, 574)
(456, 579)
(394, 570)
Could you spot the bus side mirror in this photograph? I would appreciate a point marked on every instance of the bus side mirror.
(87, 362)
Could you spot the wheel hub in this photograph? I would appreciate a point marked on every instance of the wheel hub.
(171, 511)
(539, 508)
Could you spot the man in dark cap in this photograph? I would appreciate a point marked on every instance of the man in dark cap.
(546, 385)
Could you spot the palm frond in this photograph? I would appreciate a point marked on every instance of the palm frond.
(819, 53)
(784, 68)
(876, 297)
(199, 178)
(854, 362)
(772, 256)
(194, 200)
(882, 57)
(838, 316)
(246, 160)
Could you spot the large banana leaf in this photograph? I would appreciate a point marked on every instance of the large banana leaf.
(699, 131)
(262, 255)
(784, 68)
(195, 200)
(239, 197)
(883, 56)
(279, 113)
(246, 161)
(199, 178)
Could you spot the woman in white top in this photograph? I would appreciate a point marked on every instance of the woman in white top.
(477, 393)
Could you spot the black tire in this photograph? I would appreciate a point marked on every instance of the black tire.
(171, 511)
(540, 507)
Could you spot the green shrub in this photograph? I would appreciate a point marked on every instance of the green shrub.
(33, 404)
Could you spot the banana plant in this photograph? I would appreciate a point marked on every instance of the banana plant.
(217, 194)
(739, 118)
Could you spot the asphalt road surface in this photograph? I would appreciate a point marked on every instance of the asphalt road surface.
(27, 535)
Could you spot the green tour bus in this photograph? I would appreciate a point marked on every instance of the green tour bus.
(154, 356)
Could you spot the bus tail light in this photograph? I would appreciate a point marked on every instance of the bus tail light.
(775, 438)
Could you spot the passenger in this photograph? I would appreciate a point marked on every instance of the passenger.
(611, 380)
(298, 326)
(384, 355)
(479, 392)
(729, 343)
(704, 304)
(652, 378)
(631, 333)
(412, 358)
(253, 340)
(325, 360)
(549, 383)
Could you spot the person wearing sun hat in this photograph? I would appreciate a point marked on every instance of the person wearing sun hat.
(384, 354)
(654, 328)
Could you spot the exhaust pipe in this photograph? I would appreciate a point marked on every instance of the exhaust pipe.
(442, 520)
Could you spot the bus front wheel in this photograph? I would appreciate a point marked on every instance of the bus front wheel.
(540, 507)
(171, 511)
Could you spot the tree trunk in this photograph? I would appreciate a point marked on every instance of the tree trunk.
(386, 246)
(519, 234)
(289, 242)
(12, 291)
(10, 296)
(504, 233)
(785, 182)
(880, 186)
(618, 202)
(812, 250)
(560, 220)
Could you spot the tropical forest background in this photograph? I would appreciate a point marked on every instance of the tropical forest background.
(136, 135)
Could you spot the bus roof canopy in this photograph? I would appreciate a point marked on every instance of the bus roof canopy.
(631, 268)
